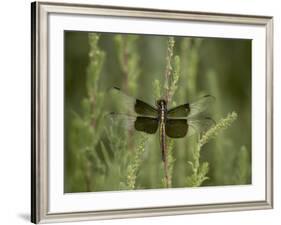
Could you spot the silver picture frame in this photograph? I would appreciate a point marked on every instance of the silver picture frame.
(39, 149)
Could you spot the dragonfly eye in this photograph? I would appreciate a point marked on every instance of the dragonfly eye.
(157, 102)
(161, 102)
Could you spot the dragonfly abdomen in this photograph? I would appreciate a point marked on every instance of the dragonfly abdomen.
(162, 133)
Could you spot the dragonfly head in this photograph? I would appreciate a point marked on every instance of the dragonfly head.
(161, 103)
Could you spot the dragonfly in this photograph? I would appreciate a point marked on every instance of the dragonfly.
(177, 122)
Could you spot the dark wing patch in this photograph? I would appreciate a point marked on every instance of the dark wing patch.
(179, 111)
(145, 109)
(146, 124)
(124, 103)
(176, 128)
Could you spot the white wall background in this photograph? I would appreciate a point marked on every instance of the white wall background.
(15, 110)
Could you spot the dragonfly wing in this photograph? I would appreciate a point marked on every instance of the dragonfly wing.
(199, 125)
(146, 124)
(176, 128)
(144, 108)
(201, 105)
(179, 111)
(128, 104)
(188, 119)
(121, 120)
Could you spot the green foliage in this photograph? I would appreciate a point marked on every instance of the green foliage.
(134, 165)
(96, 58)
(86, 128)
(102, 156)
(200, 170)
(199, 174)
(214, 131)
(243, 169)
(129, 60)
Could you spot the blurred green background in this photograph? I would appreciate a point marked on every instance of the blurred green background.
(101, 157)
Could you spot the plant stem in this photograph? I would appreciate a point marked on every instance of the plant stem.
(135, 163)
(125, 64)
(164, 155)
(168, 97)
(168, 72)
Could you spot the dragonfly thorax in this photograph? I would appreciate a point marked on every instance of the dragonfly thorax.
(162, 109)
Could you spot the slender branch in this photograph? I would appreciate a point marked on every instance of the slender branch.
(168, 96)
(215, 130)
(96, 57)
(134, 165)
(129, 60)
(91, 103)
(125, 56)
(169, 68)
(128, 56)
(199, 171)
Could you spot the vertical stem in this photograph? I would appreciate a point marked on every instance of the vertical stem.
(168, 72)
(88, 176)
(168, 97)
(164, 152)
(129, 61)
(128, 56)
(125, 65)
(92, 101)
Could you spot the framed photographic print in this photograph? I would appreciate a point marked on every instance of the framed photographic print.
(146, 112)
